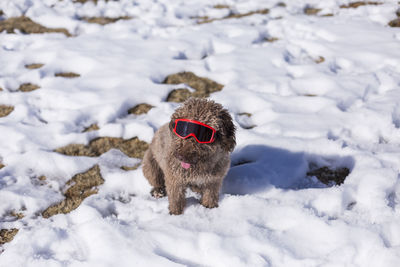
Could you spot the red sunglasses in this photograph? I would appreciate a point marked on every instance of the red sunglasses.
(203, 133)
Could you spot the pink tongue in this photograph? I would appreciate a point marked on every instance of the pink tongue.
(185, 165)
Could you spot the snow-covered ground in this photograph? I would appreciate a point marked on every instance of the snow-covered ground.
(326, 92)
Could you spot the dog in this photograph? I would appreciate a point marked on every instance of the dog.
(191, 151)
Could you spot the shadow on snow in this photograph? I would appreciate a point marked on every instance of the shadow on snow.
(257, 167)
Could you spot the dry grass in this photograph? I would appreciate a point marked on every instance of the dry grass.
(203, 86)
(92, 127)
(82, 185)
(178, 95)
(202, 20)
(104, 20)
(311, 10)
(394, 23)
(139, 109)
(67, 74)
(360, 3)
(220, 6)
(130, 168)
(34, 66)
(7, 235)
(327, 176)
(28, 87)
(5, 110)
(271, 39)
(319, 60)
(17, 215)
(27, 26)
(133, 147)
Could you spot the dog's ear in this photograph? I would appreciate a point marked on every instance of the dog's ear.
(227, 131)
(171, 125)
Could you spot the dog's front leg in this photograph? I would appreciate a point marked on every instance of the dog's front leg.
(176, 198)
(210, 195)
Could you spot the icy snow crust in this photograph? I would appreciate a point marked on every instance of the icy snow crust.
(326, 93)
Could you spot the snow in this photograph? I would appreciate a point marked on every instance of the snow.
(326, 93)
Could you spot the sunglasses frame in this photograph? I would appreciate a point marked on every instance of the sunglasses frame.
(192, 134)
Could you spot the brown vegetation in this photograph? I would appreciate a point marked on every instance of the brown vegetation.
(34, 66)
(5, 110)
(92, 127)
(202, 20)
(27, 26)
(28, 87)
(82, 185)
(203, 86)
(133, 147)
(139, 109)
(67, 74)
(308, 10)
(360, 3)
(104, 20)
(7, 235)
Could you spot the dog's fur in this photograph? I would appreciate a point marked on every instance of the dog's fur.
(209, 163)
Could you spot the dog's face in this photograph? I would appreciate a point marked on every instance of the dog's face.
(188, 150)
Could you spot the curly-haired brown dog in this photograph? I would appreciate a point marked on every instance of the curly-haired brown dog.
(171, 164)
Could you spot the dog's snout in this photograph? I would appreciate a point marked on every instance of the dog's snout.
(186, 157)
(179, 156)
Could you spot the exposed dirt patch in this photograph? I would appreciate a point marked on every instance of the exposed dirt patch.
(16, 215)
(82, 185)
(104, 20)
(130, 168)
(139, 109)
(319, 60)
(270, 39)
(394, 23)
(1, 89)
(67, 74)
(327, 175)
(220, 6)
(308, 10)
(281, 4)
(360, 3)
(92, 127)
(1, 13)
(7, 235)
(178, 95)
(2, 165)
(28, 87)
(133, 147)
(203, 86)
(27, 26)
(202, 20)
(5, 110)
(34, 66)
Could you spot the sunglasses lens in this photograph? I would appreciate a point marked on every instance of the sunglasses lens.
(185, 128)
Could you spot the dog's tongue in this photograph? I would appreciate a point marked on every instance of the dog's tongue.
(185, 165)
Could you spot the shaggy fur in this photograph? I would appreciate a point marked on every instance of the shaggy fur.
(209, 163)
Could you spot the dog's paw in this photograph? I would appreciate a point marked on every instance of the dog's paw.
(175, 211)
(209, 204)
(158, 192)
